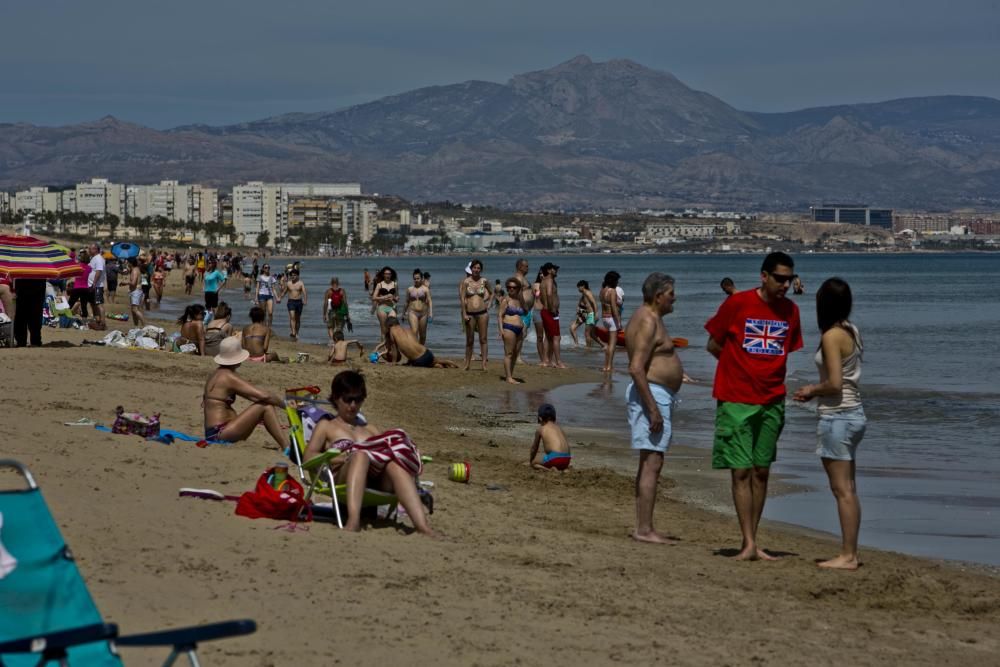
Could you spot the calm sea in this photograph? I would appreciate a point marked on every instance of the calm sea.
(930, 461)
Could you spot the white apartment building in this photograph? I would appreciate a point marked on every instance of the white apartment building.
(170, 199)
(36, 200)
(260, 207)
(100, 197)
(4, 202)
(359, 218)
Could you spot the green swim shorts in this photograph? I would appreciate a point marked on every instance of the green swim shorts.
(746, 435)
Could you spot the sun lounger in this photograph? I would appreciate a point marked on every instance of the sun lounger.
(46, 612)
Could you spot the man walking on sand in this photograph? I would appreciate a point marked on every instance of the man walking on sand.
(751, 335)
(657, 374)
(98, 281)
(549, 297)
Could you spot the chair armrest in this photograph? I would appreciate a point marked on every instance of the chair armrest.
(317, 461)
(188, 637)
(62, 639)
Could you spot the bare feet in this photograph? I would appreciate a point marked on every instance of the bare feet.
(605, 370)
(512, 381)
(763, 555)
(561, 365)
(841, 563)
(753, 553)
(652, 537)
(543, 364)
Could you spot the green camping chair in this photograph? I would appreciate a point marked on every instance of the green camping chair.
(316, 473)
(46, 612)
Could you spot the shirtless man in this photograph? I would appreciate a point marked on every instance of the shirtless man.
(400, 342)
(527, 296)
(550, 315)
(338, 348)
(189, 274)
(297, 298)
(656, 377)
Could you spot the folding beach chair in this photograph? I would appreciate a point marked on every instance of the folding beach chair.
(46, 612)
(316, 473)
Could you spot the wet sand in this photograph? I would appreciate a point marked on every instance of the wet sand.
(535, 568)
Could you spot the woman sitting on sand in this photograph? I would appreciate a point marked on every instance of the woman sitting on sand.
(257, 337)
(386, 460)
(509, 319)
(218, 329)
(193, 327)
(222, 422)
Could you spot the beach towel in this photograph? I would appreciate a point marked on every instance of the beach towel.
(7, 562)
(393, 445)
(176, 435)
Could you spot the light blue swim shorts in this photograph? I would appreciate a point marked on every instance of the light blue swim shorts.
(638, 420)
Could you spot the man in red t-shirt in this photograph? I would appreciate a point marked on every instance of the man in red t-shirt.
(751, 336)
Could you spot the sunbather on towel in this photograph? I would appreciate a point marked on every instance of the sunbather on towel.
(386, 460)
(222, 422)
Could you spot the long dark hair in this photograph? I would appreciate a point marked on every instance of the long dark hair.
(195, 311)
(833, 305)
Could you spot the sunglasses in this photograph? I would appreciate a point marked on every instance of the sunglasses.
(357, 400)
(510, 287)
(782, 279)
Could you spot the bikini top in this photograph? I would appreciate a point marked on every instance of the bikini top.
(419, 293)
(385, 292)
(473, 291)
(514, 311)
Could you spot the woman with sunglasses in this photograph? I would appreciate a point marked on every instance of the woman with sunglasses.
(510, 320)
(386, 460)
(266, 289)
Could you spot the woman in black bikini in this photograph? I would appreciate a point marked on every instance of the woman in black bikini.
(511, 325)
(222, 422)
(474, 296)
(385, 295)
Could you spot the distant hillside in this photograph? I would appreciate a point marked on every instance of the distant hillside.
(579, 135)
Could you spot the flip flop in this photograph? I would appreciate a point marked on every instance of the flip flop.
(82, 421)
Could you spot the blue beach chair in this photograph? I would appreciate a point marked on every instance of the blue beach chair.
(46, 612)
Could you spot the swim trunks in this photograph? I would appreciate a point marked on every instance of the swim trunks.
(296, 305)
(746, 434)
(425, 360)
(557, 460)
(550, 323)
(135, 297)
(642, 437)
(838, 434)
(98, 296)
(591, 319)
(211, 300)
(189, 280)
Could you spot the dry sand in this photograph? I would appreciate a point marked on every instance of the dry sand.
(536, 567)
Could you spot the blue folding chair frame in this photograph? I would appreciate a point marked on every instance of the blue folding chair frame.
(47, 613)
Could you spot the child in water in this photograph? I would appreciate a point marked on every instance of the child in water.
(553, 441)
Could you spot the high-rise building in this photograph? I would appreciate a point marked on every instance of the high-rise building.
(4, 202)
(100, 197)
(263, 207)
(36, 200)
(173, 201)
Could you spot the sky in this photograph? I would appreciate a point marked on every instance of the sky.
(164, 64)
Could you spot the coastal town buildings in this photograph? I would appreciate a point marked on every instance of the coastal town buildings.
(173, 201)
(855, 214)
(260, 207)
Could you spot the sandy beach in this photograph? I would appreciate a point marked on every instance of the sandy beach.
(534, 568)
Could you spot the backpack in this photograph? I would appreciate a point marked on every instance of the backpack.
(337, 298)
(267, 502)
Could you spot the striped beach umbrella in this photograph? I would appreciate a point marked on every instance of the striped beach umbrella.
(28, 257)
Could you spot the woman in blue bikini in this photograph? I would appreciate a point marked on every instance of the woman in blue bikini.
(510, 316)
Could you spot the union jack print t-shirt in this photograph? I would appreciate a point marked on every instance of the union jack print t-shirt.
(756, 337)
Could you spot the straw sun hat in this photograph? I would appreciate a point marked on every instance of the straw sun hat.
(231, 352)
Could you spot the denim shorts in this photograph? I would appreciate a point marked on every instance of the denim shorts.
(838, 434)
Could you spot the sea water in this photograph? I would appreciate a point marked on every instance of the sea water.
(930, 460)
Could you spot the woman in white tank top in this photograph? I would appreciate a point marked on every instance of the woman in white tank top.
(841, 417)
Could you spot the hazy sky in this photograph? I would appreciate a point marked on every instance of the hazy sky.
(175, 62)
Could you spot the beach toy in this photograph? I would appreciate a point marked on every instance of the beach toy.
(301, 357)
(373, 357)
(459, 472)
(279, 475)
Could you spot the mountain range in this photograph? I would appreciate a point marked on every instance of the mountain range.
(581, 135)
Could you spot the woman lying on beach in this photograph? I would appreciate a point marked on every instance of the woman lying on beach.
(841, 416)
(511, 324)
(218, 329)
(385, 460)
(193, 327)
(257, 337)
(222, 422)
